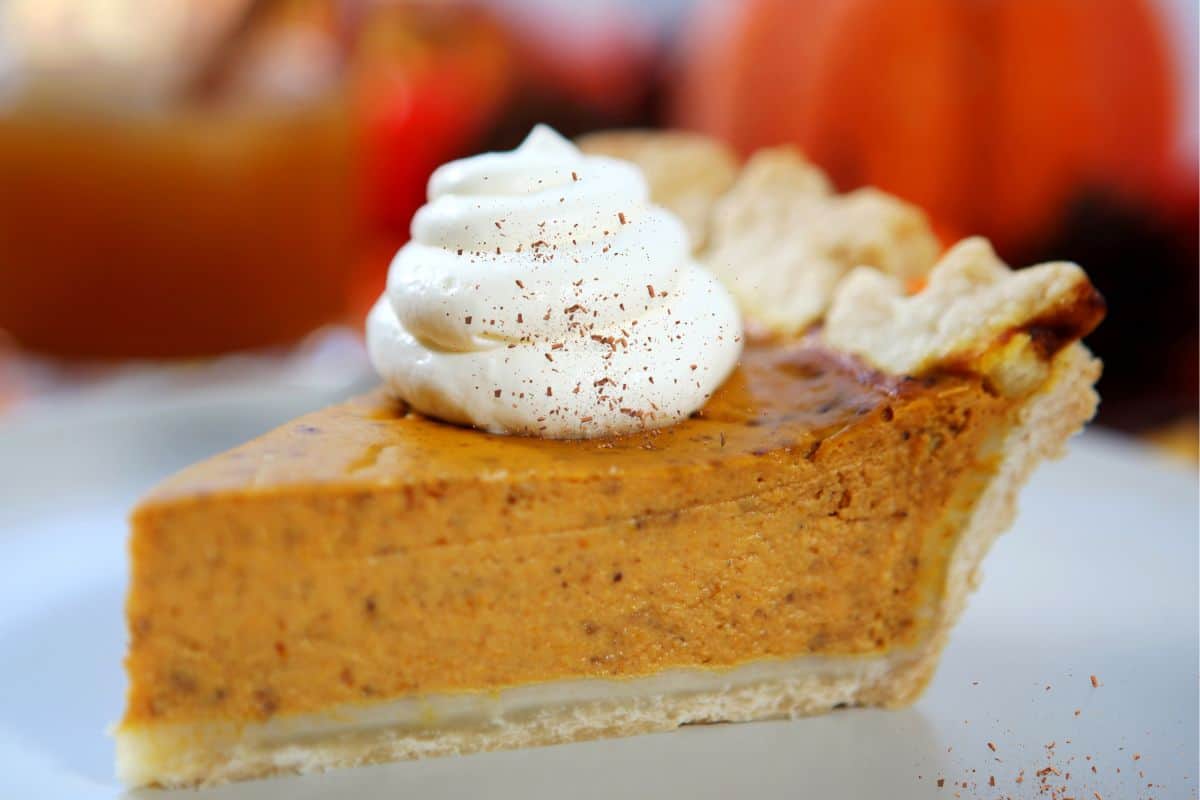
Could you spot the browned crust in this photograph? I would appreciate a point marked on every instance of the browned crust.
(1064, 404)
(975, 315)
(1076, 317)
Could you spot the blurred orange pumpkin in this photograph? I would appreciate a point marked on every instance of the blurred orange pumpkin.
(992, 115)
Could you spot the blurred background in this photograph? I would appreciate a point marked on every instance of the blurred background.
(195, 193)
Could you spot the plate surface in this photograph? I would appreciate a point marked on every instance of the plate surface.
(1098, 577)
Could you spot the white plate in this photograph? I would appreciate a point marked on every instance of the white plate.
(1098, 577)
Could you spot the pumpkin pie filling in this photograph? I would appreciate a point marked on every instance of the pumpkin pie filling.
(789, 517)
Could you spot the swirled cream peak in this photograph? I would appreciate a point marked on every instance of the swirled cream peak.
(542, 294)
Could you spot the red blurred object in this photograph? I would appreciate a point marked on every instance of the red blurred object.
(991, 115)
(430, 80)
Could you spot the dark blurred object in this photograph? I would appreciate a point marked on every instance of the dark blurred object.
(1145, 263)
(158, 208)
(579, 67)
(1051, 126)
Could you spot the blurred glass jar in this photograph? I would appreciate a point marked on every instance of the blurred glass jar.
(176, 178)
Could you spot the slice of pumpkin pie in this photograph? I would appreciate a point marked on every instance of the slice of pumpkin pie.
(601, 492)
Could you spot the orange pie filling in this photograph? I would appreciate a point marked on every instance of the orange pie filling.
(368, 554)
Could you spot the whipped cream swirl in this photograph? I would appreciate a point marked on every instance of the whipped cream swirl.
(542, 294)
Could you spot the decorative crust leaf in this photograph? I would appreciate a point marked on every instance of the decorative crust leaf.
(793, 252)
(974, 314)
(781, 239)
